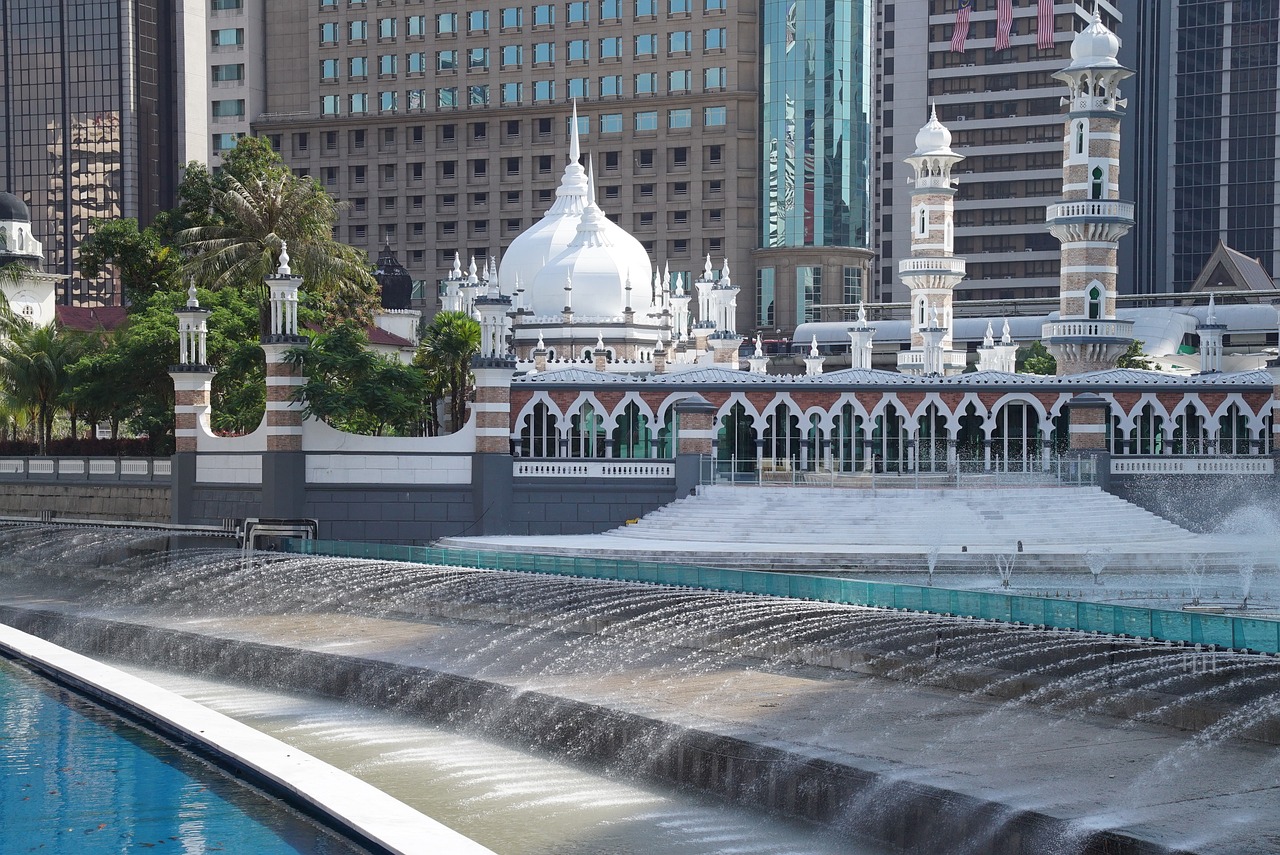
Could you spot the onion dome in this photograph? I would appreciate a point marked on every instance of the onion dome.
(933, 138)
(13, 209)
(1095, 45)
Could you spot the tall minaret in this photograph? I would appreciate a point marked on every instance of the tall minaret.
(933, 270)
(1090, 219)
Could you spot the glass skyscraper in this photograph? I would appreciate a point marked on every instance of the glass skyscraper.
(85, 131)
(815, 148)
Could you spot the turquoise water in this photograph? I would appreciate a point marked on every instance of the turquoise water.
(76, 779)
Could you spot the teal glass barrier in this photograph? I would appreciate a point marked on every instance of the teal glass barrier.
(1225, 631)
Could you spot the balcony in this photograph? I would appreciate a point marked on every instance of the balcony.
(1090, 329)
(1090, 209)
(950, 265)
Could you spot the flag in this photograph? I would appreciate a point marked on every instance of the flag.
(961, 32)
(1044, 25)
(1004, 23)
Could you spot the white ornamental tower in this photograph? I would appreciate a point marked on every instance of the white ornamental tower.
(1090, 219)
(933, 271)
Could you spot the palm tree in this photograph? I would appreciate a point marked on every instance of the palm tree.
(34, 367)
(448, 343)
(258, 216)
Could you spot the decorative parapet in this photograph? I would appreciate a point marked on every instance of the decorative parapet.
(950, 265)
(614, 469)
(1090, 209)
(1112, 328)
(1193, 466)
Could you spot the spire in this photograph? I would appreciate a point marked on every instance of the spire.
(194, 303)
(540, 345)
(989, 340)
(1209, 319)
(724, 274)
(862, 313)
(575, 150)
(706, 268)
(759, 344)
(591, 182)
(472, 279)
(283, 269)
(1006, 337)
(456, 273)
(813, 347)
(600, 342)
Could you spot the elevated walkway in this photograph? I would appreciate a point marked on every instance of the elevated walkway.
(814, 528)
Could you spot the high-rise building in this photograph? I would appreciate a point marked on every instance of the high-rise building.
(443, 127)
(231, 59)
(88, 123)
(1204, 133)
(1004, 109)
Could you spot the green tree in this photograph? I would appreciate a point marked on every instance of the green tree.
(257, 207)
(1133, 358)
(35, 363)
(448, 344)
(142, 259)
(355, 389)
(1036, 359)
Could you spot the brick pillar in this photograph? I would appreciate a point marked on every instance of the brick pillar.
(1088, 423)
(697, 429)
(284, 414)
(1274, 367)
(192, 385)
(493, 404)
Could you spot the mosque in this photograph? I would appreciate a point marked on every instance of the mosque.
(605, 389)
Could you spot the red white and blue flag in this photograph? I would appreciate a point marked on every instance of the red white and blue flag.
(1004, 23)
(961, 32)
(1045, 25)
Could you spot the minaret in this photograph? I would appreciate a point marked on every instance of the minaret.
(860, 335)
(1090, 219)
(1211, 333)
(933, 271)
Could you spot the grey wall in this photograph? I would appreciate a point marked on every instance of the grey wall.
(565, 506)
(1247, 503)
(144, 503)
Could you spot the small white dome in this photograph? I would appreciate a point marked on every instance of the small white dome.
(1095, 45)
(598, 265)
(933, 138)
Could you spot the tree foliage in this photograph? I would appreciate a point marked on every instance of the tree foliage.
(1036, 359)
(1134, 358)
(142, 259)
(448, 344)
(35, 364)
(356, 390)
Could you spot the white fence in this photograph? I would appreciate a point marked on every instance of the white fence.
(606, 469)
(86, 468)
(1193, 466)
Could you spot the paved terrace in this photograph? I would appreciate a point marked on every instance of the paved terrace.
(817, 528)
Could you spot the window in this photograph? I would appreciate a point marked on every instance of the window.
(610, 123)
(512, 93)
(226, 5)
(417, 99)
(447, 23)
(764, 296)
(417, 170)
(447, 97)
(713, 117)
(329, 105)
(446, 202)
(647, 121)
(611, 193)
(544, 15)
(680, 190)
(357, 31)
(478, 21)
(358, 67)
(446, 60)
(511, 128)
(680, 219)
(479, 131)
(544, 164)
(512, 17)
(416, 136)
(416, 62)
(229, 109)
(611, 86)
(678, 157)
(679, 118)
(224, 142)
(715, 38)
(579, 12)
(544, 52)
(544, 90)
(714, 5)
(610, 10)
(647, 45)
(544, 128)
(852, 285)
(647, 84)
(678, 7)
(359, 103)
(415, 26)
(235, 37)
(478, 59)
(388, 102)
(330, 140)
(644, 159)
(511, 198)
(387, 204)
(328, 4)
(714, 155)
(328, 70)
(611, 159)
(680, 41)
(387, 65)
(447, 170)
(479, 168)
(512, 55)
(357, 139)
(645, 220)
(511, 166)
(478, 96)
(645, 191)
(714, 78)
(646, 8)
(584, 126)
(808, 294)
(357, 176)
(577, 87)
(715, 188)
(386, 29)
(579, 50)
(329, 174)
(611, 48)
(678, 81)
(228, 73)
(301, 142)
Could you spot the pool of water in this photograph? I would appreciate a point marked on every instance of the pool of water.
(75, 778)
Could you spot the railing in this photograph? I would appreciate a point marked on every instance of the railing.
(1222, 631)
(965, 473)
(85, 468)
(570, 468)
(1090, 209)
(1112, 328)
(932, 264)
(1121, 465)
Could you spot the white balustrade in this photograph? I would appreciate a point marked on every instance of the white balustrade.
(607, 469)
(1089, 209)
(931, 264)
(1091, 329)
(1192, 466)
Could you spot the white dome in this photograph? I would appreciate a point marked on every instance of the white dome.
(933, 138)
(1095, 45)
(549, 236)
(598, 264)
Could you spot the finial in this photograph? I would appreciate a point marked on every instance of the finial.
(989, 340)
(540, 345)
(813, 347)
(1006, 337)
(933, 317)
(575, 151)
(933, 111)
(472, 279)
(1210, 319)
(599, 341)
(862, 313)
(457, 265)
(706, 268)
(192, 302)
(283, 269)
(591, 181)
(759, 345)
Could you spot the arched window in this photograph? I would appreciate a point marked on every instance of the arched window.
(922, 311)
(538, 434)
(633, 436)
(923, 222)
(586, 433)
(1096, 188)
(1095, 303)
(1079, 137)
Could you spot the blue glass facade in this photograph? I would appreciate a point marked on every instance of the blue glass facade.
(816, 123)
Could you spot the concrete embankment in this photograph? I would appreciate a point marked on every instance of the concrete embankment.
(785, 742)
